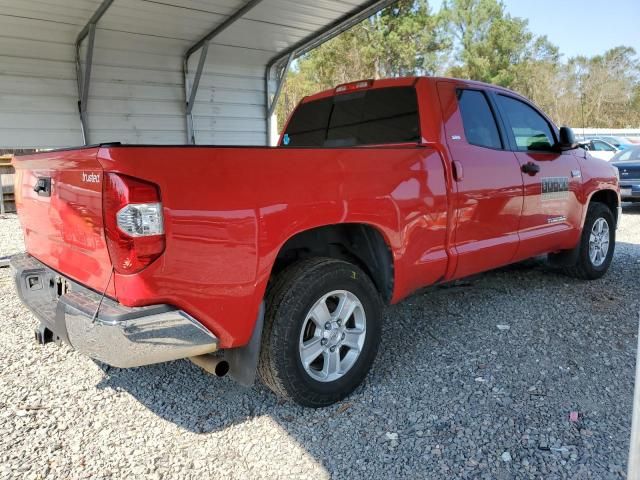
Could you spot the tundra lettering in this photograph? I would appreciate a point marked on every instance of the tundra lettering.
(279, 261)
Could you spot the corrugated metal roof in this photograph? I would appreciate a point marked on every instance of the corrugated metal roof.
(137, 91)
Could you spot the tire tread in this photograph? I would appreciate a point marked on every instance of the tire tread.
(284, 291)
(580, 269)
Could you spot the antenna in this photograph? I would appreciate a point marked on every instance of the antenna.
(582, 110)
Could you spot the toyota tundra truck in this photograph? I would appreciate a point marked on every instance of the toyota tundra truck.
(277, 261)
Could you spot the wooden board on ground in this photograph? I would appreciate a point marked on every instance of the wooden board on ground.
(7, 197)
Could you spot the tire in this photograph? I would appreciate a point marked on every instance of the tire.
(585, 267)
(291, 330)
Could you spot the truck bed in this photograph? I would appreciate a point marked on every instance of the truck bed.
(227, 211)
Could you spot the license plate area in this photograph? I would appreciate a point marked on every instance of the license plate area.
(54, 286)
(625, 191)
(59, 285)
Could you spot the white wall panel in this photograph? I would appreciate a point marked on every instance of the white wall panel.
(137, 85)
(137, 92)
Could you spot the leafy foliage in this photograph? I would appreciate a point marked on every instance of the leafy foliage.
(479, 40)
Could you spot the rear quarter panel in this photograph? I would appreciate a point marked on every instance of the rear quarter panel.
(228, 211)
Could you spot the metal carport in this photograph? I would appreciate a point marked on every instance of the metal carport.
(91, 71)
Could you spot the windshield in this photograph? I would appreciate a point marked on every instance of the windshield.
(368, 117)
(631, 154)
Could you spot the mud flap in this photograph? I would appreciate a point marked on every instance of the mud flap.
(243, 361)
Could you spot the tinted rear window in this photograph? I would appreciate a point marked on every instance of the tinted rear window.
(370, 117)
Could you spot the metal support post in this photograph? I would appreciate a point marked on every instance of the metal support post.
(84, 78)
(203, 44)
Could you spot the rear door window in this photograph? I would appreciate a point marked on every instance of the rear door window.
(530, 129)
(369, 117)
(479, 123)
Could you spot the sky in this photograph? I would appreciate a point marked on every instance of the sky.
(579, 27)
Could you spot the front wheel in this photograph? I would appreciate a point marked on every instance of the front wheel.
(597, 244)
(322, 330)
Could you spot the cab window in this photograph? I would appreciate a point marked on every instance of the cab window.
(530, 129)
(479, 123)
(369, 117)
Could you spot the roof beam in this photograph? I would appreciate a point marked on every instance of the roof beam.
(84, 78)
(282, 60)
(333, 29)
(203, 43)
(97, 15)
(237, 15)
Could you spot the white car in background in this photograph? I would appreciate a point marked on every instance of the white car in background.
(599, 149)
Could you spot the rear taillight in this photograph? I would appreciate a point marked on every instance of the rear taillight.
(134, 223)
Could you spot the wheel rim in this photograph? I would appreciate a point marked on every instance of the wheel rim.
(332, 336)
(599, 242)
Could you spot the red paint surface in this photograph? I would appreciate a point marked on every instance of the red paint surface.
(228, 211)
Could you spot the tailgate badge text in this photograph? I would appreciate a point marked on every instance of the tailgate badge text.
(90, 177)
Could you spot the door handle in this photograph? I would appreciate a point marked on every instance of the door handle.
(530, 168)
(457, 171)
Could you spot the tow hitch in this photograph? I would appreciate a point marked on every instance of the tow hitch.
(43, 335)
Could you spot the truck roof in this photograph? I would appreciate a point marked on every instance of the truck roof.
(398, 82)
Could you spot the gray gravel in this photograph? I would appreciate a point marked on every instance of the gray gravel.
(476, 380)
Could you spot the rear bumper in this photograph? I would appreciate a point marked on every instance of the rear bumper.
(117, 335)
(630, 190)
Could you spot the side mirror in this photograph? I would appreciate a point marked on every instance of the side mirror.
(567, 139)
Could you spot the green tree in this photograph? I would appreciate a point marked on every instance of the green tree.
(489, 43)
(479, 40)
(606, 85)
(402, 40)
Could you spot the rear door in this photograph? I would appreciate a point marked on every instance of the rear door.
(488, 198)
(552, 213)
(59, 200)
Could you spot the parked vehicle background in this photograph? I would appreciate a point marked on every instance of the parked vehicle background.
(599, 149)
(619, 142)
(628, 164)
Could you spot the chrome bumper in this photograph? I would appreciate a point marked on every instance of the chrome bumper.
(117, 335)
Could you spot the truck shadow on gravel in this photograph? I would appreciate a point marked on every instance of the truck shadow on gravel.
(465, 372)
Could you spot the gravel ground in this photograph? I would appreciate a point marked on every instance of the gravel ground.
(451, 394)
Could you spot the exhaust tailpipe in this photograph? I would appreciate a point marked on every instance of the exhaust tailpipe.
(215, 365)
(43, 335)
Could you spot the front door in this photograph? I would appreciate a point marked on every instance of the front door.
(552, 214)
(487, 181)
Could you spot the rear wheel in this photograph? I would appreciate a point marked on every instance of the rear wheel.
(322, 330)
(597, 244)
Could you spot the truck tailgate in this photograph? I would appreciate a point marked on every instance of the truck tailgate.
(59, 200)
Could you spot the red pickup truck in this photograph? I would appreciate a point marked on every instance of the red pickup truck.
(279, 260)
